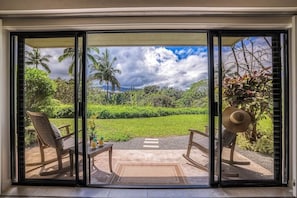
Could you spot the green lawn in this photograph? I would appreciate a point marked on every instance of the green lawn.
(124, 129)
(175, 125)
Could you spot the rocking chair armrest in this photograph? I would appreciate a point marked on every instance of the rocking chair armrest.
(65, 136)
(66, 126)
(199, 132)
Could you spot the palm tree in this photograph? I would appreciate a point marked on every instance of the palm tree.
(103, 70)
(34, 58)
(70, 53)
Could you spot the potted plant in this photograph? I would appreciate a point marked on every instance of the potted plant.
(92, 129)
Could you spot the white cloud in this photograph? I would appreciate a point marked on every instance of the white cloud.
(143, 66)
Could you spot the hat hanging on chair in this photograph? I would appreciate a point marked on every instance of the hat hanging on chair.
(236, 120)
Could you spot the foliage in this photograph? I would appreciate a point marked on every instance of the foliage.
(153, 95)
(251, 92)
(123, 111)
(92, 127)
(197, 95)
(66, 112)
(151, 89)
(247, 80)
(34, 58)
(162, 101)
(69, 53)
(39, 89)
(30, 139)
(263, 144)
(103, 70)
(116, 112)
(65, 90)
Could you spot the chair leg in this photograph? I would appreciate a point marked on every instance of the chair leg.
(42, 155)
(232, 150)
(41, 148)
(190, 144)
(60, 167)
(59, 157)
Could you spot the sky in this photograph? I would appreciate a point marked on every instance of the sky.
(170, 66)
(166, 66)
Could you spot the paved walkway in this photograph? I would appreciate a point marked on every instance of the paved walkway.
(176, 142)
(181, 142)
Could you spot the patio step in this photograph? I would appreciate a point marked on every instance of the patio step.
(151, 143)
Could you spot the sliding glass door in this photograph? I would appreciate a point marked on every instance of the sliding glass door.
(249, 83)
(171, 108)
(47, 71)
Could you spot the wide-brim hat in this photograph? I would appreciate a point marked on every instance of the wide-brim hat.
(236, 120)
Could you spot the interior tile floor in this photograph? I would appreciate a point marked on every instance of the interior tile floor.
(54, 191)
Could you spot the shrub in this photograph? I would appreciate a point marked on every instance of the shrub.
(121, 111)
(264, 144)
(67, 112)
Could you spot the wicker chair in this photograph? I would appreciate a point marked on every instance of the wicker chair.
(48, 135)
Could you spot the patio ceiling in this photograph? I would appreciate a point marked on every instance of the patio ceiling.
(131, 39)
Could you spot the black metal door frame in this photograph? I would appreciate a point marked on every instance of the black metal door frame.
(280, 110)
(17, 124)
(17, 69)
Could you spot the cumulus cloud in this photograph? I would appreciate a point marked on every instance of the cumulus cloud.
(163, 66)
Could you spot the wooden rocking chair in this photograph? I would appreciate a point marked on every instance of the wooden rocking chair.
(49, 136)
(228, 141)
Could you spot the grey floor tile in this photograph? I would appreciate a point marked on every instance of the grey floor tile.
(52, 191)
(185, 193)
(258, 192)
(128, 193)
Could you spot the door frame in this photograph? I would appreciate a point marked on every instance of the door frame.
(17, 124)
(281, 134)
(214, 109)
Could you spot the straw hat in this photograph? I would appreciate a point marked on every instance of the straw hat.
(236, 120)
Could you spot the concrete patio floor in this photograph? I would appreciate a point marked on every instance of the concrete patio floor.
(192, 175)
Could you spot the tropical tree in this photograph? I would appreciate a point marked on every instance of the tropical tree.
(104, 71)
(247, 81)
(70, 53)
(64, 86)
(35, 58)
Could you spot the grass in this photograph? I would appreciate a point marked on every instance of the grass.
(125, 129)
(174, 125)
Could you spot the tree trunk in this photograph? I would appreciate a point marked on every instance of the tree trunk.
(107, 91)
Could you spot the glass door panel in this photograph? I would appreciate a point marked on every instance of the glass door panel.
(250, 105)
(45, 95)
